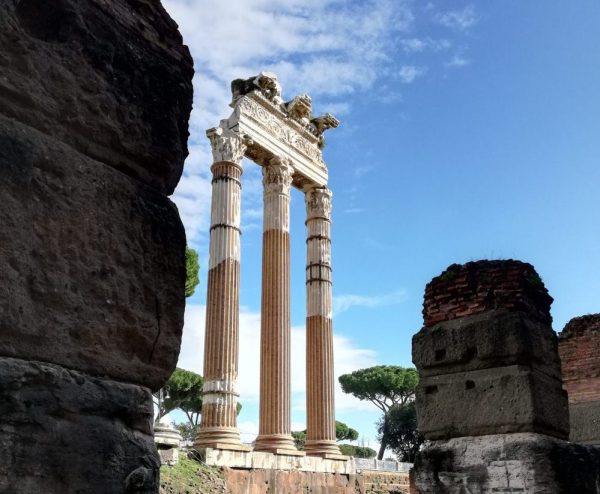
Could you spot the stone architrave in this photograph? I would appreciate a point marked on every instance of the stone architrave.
(219, 396)
(320, 379)
(275, 378)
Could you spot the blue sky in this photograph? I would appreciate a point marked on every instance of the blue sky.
(469, 131)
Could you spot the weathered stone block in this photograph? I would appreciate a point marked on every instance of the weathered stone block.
(93, 266)
(493, 339)
(585, 422)
(491, 401)
(507, 463)
(110, 78)
(63, 432)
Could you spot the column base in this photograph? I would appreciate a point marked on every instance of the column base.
(325, 448)
(279, 444)
(220, 438)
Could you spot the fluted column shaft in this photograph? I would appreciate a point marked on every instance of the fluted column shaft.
(218, 427)
(275, 380)
(320, 433)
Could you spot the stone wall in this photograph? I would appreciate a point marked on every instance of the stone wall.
(94, 102)
(475, 287)
(490, 398)
(579, 347)
(240, 481)
(494, 368)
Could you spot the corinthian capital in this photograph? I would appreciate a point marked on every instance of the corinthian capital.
(277, 176)
(226, 145)
(318, 203)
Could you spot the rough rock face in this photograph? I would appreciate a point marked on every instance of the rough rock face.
(579, 347)
(94, 103)
(59, 428)
(111, 78)
(94, 263)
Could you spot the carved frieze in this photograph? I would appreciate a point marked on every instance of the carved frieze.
(318, 203)
(276, 126)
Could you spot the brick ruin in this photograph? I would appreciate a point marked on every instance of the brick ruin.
(95, 98)
(490, 398)
(579, 348)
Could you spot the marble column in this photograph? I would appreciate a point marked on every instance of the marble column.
(218, 428)
(320, 407)
(275, 380)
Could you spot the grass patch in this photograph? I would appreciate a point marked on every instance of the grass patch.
(190, 476)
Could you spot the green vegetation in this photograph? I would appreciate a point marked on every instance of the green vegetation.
(184, 391)
(191, 271)
(191, 477)
(385, 386)
(342, 433)
(357, 451)
(403, 437)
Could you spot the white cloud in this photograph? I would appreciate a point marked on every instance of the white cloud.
(459, 20)
(325, 48)
(342, 303)
(417, 45)
(408, 73)
(458, 60)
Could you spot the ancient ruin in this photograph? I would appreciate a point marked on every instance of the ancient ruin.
(92, 273)
(490, 399)
(285, 139)
(579, 348)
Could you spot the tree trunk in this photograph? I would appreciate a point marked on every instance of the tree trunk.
(384, 438)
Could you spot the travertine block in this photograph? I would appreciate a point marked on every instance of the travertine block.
(499, 400)
(585, 422)
(93, 267)
(507, 463)
(492, 339)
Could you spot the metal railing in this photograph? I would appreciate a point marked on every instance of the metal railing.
(381, 465)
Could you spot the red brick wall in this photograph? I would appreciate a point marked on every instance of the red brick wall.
(579, 348)
(480, 286)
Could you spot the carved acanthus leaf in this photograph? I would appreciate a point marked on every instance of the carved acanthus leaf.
(277, 176)
(227, 145)
(318, 203)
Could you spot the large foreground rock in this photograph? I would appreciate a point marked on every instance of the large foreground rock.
(507, 463)
(93, 267)
(64, 432)
(111, 78)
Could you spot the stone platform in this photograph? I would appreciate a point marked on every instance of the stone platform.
(253, 460)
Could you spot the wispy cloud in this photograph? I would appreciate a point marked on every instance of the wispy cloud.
(458, 60)
(459, 20)
(342, 303)
(418, 45)
(408, 73)
(326, 48)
